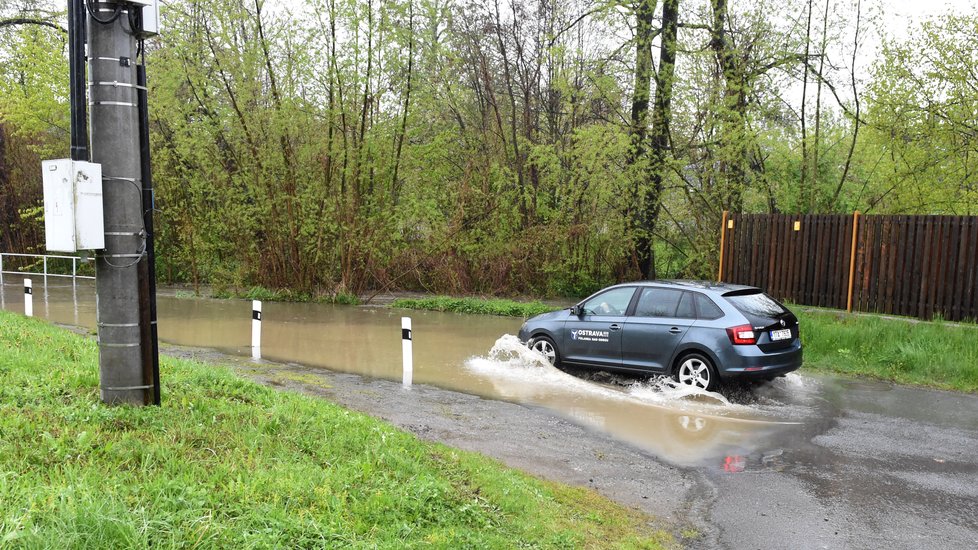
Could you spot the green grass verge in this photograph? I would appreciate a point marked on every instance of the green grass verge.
(228, 463)
(492, 306)
(286, 295)
(932, 354)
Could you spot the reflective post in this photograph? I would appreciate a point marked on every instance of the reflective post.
(28, 298)
(406, 347)
(256, 329)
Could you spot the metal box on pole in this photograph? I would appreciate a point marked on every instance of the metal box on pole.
(73, 205)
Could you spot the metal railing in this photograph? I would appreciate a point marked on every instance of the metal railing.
(44, 273)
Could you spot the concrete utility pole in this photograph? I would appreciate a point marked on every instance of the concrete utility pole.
(124, 375)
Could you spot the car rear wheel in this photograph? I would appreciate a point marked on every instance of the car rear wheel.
(697, 371)
(545, 346)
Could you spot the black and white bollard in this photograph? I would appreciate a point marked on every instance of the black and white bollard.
(406, 347)
(256, 329)
(28, 298)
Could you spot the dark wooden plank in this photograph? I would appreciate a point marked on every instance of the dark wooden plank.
(781, 268)
(831, 277)
(937, 297)
(971, 288)
(808, 233)
(905, 262)
(925, 230)
(823, 265)
(881, 274)
(868, 244)
(952, 297)
(795, 248)
(948, 263)
(930, 267)
(846, 245)
(860, 271)
(815, 256)
(875, 234)
(893, 247)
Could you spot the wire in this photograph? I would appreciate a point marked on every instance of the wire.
(91, 12)
(139, 257)
(135, 17)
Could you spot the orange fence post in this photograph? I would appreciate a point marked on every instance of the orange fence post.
(852, 258)
(723, 240)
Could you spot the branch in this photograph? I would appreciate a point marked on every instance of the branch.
(31, 21)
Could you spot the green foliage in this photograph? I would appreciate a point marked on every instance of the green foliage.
(286, 295)
(931, 354)
(228, 463)
(481, 306)
(424, 145)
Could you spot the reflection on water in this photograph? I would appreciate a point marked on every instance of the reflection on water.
(457, 352)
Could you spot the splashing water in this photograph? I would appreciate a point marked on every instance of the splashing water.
(666, 389)
(508, 351)
(512, 363)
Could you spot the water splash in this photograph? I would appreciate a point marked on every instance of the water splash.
(666, 389)
(526, 371)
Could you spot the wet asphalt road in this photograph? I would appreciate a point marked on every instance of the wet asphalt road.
(876, 466)
(871, 466)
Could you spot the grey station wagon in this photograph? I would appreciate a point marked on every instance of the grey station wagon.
(698, 332)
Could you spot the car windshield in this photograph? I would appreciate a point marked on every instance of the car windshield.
(757, 304)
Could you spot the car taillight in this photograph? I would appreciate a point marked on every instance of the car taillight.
(742, 335)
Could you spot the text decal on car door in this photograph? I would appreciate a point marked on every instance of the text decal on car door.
(590, 335)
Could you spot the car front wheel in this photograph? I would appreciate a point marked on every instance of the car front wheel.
(545, 346)
(697, 371)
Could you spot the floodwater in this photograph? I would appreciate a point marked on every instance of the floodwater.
(477, 355)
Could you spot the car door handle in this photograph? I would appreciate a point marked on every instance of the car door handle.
(675, 330)
(615, 326)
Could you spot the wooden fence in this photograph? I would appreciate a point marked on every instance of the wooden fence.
(918, 266)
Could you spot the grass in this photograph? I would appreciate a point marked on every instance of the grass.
(286, 295)
(932, 354)
(492, 306)
(228, 463)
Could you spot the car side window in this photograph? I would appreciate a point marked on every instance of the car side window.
(685, 309)
(706, 308)
(613, 302)
(658, 302)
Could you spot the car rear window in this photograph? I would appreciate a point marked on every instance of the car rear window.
(756, 304)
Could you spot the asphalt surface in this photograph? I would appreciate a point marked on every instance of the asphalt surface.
(871, 466)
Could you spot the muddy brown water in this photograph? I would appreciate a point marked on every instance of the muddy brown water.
(466, 353)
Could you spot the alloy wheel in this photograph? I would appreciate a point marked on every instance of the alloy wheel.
(695, 372)
(546, 348)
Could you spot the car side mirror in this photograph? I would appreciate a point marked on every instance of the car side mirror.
(577, 310)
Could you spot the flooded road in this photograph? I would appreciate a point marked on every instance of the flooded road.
(804, 462)
(466, 353)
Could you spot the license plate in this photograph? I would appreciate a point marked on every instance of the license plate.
(783, 334)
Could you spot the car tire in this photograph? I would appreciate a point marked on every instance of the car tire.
(695, 369)
(547, 347)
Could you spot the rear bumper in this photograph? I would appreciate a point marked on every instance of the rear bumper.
(751, 362)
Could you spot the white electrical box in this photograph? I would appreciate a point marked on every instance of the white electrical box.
(72, 205)
(151, 18)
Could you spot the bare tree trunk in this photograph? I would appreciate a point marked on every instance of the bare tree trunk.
(813, 199)
(395, 184)
(660, 137)
(804, 192)
(855, 122)
(638, 130)
(733, 111)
